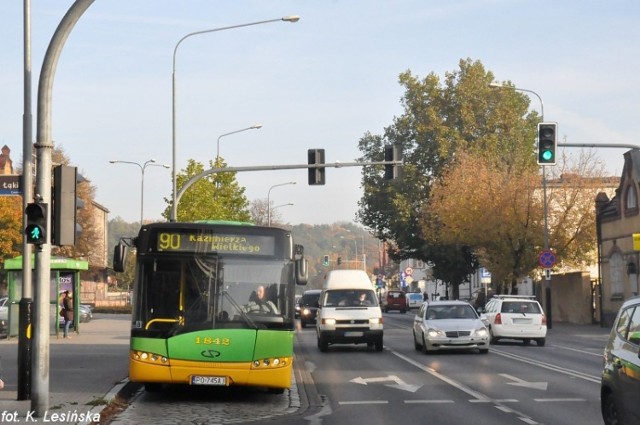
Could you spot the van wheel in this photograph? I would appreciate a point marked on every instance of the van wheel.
(323, 345)
(540, 342)
(379, 345)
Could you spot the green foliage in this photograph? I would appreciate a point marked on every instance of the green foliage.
(439, 119)
(216, 196)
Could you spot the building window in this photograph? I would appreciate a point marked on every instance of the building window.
(631, 198)
(616, 269)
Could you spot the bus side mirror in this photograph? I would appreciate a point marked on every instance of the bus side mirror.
(298, 252)
(302, 273)
(120, 252)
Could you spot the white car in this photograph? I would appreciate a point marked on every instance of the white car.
(515, 317)
(4, 313)
(414, 300)
(449, 325)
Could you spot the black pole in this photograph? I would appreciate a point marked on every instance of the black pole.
(24, 349)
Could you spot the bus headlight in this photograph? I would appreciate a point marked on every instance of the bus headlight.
(274, 362)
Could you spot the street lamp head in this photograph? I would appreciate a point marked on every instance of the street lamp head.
(112, 161)
(292, 18)
(495, 85)
(256, 126)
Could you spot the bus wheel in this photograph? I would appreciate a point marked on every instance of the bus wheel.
(152, 387)
(275, 390)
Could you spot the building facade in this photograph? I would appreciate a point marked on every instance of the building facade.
(617, 220)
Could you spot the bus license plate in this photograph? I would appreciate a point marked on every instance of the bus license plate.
(208, 380)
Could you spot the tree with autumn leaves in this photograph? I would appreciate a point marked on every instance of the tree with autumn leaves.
(11, 225)
(471, 192)
(11, 215)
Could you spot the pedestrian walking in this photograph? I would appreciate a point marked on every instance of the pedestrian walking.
(67, 313)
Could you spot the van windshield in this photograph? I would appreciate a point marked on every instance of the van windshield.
(349, 298)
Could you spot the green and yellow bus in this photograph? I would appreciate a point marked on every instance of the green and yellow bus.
(197, 318)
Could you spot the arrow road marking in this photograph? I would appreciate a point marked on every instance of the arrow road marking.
(399, 383)
(521, 383)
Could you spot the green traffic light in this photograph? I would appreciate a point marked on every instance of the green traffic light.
(35, 233)
(547, 155)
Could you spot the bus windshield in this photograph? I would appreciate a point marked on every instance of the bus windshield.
(193, 292)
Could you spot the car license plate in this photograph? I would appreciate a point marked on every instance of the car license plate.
(353, 334)
(208, 380)
(521, 321)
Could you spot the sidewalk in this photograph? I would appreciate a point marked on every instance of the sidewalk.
(85, 373)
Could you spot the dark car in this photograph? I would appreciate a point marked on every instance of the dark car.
(621, 372)
(309, 306)
(395, 300)
(297, 307)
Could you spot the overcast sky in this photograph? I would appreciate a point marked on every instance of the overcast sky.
(319, 83)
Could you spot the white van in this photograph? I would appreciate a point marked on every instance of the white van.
(348, 312)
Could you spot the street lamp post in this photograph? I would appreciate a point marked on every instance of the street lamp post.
(269, 200)
(277, 206)
(547, 275)
(143, 167)
(174, 207)
(253, 127)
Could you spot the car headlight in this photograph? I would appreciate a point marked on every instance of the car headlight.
(306, 311)
(481, 332)
(434, 333)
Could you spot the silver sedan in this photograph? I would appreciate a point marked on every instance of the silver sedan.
(449, 325)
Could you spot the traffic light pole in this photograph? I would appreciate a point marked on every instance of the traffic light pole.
(205, 173)
(547, 274)
(44, 148)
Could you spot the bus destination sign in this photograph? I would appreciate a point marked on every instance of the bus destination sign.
(198, 241)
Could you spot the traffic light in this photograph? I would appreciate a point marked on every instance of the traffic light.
(316, 174)
(325, 261)
(36, 230)
(392, 153)
(339, 260)
(547, 142)
(64, 206)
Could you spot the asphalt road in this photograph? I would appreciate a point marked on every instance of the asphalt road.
(555, 384)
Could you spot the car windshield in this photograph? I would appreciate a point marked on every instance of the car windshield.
(310, 299)
(440, 312)
(350, 297)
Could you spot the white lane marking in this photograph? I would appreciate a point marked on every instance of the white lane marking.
(570, 372)
(522, 383)
(577, 350)
(399, 383)
(435, 374)
(363, 402)
(562, 400)
(428, 401)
